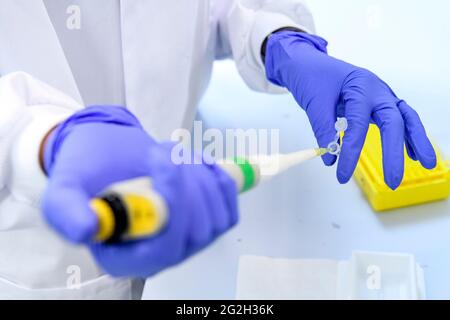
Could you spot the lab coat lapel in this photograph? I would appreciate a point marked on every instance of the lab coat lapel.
(157, 47)
(31, 45)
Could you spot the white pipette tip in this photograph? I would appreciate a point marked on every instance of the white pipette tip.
(273, 165)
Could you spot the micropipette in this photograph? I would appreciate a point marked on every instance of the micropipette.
(131, 209)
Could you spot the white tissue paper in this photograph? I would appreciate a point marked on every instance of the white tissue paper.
(365, 276)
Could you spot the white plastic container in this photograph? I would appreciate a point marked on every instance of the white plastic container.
(366, 276)
(381, 276)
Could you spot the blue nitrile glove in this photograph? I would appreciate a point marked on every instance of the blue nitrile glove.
(102, 145)
(327, 88)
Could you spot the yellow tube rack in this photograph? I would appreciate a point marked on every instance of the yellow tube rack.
(419, 184)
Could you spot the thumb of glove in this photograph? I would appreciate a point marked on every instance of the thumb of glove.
(66, 208)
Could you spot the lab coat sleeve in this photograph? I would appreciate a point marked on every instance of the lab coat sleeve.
(28, 110)
(244, 25)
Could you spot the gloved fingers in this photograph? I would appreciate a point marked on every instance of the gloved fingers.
(417, 136)
(392, 129)
(410, 150)
(357, 112)
(215, 210)
(199, 212)
(66, 207)
(202, 203)
(201, 219)
(142, 258)
(114, 259)
(229, 192)
(187, 231)
(323, 125)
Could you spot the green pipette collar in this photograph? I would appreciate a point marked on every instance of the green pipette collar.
(247, 172)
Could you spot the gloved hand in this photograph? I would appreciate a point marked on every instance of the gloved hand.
(327, 88)
(102, 145)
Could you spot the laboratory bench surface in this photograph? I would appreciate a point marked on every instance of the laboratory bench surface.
(305, 212)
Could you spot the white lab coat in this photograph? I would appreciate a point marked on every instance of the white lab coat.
(168, 50)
